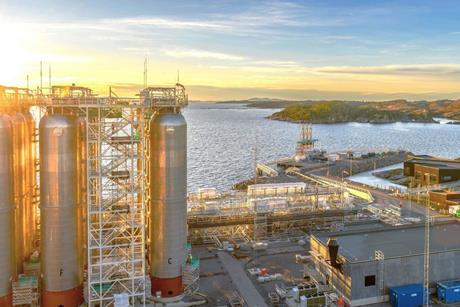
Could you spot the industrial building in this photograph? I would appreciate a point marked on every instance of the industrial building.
(276, 189)
(427, 170)
(363, 264)
(266, 210)
(444, 199)
(93, 197)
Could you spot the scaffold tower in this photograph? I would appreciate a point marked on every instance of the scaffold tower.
(116, 226)
(260, 226)
(114, 190)
(110, 178)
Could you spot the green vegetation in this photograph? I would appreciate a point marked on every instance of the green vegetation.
(343, 111)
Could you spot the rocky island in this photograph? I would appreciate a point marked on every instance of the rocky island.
(329, 112)
(338, 111)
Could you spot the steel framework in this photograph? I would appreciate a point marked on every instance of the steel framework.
(116, 186)
(115, 189)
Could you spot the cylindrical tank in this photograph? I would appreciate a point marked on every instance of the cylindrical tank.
(168, 207)
(19, 125)
(24, 182)
(7, 268)
(58, 211)
(29, 171)
(81, 194)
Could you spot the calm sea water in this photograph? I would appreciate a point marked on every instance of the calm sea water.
(223, 141)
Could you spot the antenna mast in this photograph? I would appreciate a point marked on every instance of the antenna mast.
(49, 75)
(41, 77)
(426, 266)
(145, 73)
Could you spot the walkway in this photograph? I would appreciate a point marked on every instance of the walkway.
(239, 278)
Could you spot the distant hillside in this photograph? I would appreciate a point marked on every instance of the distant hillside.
(364, 112)
(266, 103)
(356, 111)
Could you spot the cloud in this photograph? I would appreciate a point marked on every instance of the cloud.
(137, 50)
(254, 19)
(212, 93)
(58, 57)
(201, 54)
(276, 63)
(417, 69)
(167, 23)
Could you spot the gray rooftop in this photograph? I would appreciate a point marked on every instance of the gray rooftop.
(366, 225)
(435, 162)
(357, 246)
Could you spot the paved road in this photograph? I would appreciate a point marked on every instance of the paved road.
(245, 286)
(384, 197)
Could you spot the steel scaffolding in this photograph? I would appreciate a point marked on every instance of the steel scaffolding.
(116, 186)
(114, 191)
(112, 197)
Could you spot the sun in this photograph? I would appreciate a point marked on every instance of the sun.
(13, 53)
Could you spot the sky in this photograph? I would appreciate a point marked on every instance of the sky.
(350, 50)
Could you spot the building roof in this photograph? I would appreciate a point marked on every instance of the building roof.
(435, 162)
(438, 164)
(444, 192)
(394, 242)
(281, 185)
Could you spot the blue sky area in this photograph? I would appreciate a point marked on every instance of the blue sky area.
(378, 49)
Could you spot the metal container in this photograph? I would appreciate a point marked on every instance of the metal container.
(407, 296)
(29, 173)
(58, 211)
(168, 209)
(24, 183)
(81, 194)
(449, 291)
(6, 208)
(19, 126)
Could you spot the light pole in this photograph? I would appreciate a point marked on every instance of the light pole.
(426, 271)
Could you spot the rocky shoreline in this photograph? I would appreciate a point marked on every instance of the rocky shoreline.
(360, 121)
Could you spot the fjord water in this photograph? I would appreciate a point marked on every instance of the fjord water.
(223, 140)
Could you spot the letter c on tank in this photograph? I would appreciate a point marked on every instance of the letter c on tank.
(169, 260)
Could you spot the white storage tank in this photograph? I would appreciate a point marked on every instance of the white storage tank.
(168, 203)
(7, 268)
(58, 212)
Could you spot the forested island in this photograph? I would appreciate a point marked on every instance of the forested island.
(328, 112)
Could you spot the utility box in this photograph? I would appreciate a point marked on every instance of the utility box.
(449, 291)
(407, 296)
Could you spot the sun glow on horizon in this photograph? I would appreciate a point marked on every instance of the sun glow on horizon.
(285, 50)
